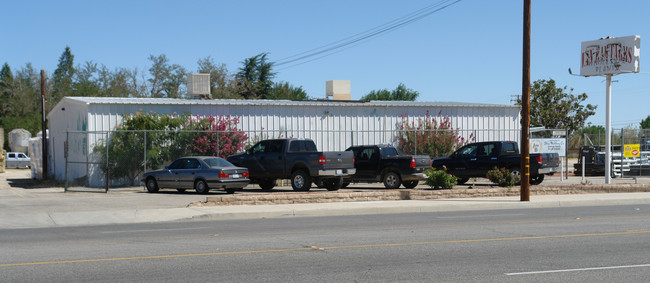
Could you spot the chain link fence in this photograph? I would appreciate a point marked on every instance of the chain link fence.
(630, 153)
(118, 158)
(106, 159)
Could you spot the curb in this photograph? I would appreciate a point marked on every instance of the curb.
(414, 194)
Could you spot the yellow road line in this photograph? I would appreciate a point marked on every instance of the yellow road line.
(630, 232)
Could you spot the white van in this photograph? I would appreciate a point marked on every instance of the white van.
(17, 160)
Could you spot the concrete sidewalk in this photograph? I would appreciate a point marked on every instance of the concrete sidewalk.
(30, 207)
(57, 216)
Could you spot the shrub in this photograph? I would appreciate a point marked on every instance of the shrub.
(219, 136)
(501, 177)
(167, 137)
(433, 136)
(438, 179)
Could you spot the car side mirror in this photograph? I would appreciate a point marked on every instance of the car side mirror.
(166, 167)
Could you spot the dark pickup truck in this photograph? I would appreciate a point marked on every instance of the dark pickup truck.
(295, 159)
(476, 159)
(382, 163)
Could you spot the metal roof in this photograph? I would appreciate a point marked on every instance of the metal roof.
(264, 102)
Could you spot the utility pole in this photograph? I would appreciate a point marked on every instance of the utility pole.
(525, 109)
(43, 126)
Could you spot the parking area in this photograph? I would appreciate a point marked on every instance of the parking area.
(20, 182)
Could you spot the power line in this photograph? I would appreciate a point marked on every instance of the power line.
(340, 45)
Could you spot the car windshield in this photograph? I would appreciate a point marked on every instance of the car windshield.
(217, 162)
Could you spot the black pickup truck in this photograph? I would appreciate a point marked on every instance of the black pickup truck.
(295, 159)
(382, 163)
(476, 159)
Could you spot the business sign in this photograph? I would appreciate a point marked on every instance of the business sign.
(548, 146)
(632, 150)
(610, 56)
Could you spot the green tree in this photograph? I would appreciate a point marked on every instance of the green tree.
(6, 89)
(284, 90)
(85, 83)
(401, 93)
(645, 123)
(166, 80)
(125, 147)
(63, 77)
(552, 107)
(21, 99)
(254, 79)
(222, 84)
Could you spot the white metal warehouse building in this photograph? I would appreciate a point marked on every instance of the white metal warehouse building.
(333, 125)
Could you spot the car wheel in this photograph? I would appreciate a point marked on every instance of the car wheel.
(230, 190)
(267, 184)
(516, 174)
(536, 180)
(333, 184)
(391, 180)
(181, 190)
(461, 181)
(201, 187)
(300, 181)
(152, 185)
(410, 184)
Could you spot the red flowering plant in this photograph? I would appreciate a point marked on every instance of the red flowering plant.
(216, 136)
(431, 135)
(501, 176)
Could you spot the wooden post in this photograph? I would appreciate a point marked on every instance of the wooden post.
(525, 108)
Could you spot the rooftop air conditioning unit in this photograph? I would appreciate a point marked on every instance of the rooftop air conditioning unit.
(198, 86)
(338, 89)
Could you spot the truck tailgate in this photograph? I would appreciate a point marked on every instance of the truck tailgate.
(422, 160)
(338, 160)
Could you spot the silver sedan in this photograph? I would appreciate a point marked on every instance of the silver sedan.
(200, 173)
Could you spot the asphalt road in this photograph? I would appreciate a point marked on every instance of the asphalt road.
(577, 244)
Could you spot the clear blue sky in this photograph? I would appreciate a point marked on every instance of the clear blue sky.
(468, 52)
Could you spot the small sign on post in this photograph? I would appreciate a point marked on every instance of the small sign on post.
(632, 150)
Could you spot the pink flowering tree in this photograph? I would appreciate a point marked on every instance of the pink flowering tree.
(216, 136)
(431, 135)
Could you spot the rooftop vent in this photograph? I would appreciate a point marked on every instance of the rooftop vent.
(338, 89)
(198, 86)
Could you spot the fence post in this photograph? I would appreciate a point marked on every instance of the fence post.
(622, 149)
(65, 155)
(108, 168)
(416, 142)
(144, 146)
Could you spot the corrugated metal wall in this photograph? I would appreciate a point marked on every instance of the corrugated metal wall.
(333, 126)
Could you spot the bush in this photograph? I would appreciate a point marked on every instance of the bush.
(219, 136)
(433, 136)
(440, 179)
(501, 177)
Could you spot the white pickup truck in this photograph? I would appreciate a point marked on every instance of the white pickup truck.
(17, 160)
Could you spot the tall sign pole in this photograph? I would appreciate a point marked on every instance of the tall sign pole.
(525, 108)
(607, 57)
(608, 131)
